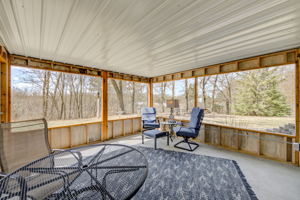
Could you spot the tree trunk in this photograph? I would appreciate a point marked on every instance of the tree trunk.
(163, 99)
(229, 94)
(81, 96)
(62, 98)
(186, 95)
(119, 92)
(173, 89)
(98, 99)
(54, 100)
(213, 94)
(76, 109)
(70, 101)
(227, 107)
(98, 105)
(203, 86)
(133, 97)
(46, 83)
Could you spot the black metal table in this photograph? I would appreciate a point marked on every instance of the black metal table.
(101, 171)
(171, 125)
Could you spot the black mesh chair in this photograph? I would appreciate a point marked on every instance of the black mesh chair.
(22, 142)
(192, 131)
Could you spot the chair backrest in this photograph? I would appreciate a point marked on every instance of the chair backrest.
(148, 114)
(196, 118)
(22, 142)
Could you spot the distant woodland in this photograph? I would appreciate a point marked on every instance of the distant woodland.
(59, 96)
(264, 92)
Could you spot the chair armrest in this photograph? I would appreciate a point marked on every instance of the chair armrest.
(180, 123)
(57, 150)
(2, 175)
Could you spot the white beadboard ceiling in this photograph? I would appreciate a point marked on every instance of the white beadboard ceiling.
(148, 37)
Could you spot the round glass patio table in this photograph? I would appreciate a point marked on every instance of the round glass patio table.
(100, 171)
(171, 125)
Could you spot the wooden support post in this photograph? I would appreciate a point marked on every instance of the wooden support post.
(5, 91)
(104, 107)
(196, 92)
(150, 94)
(297, 88)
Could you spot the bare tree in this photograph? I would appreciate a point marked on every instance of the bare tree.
(53, 95)
(203, 82)
(173, 89)
(163, 96)
(46, 83)
(119, 91)
(62, 113)
(133, 97)
(224, 86)
(186, 92)
(214, 93)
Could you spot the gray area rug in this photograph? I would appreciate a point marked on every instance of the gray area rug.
(185, 176)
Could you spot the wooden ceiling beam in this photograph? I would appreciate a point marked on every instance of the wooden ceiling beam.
(267, 60)
(257, 62)
(36, 63)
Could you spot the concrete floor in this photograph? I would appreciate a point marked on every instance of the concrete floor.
(269, 179)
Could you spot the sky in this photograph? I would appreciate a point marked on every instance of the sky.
(17, 77)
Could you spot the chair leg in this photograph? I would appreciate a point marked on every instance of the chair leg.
(168, 139)
(186, 140)
(142, 138)
(155, 143)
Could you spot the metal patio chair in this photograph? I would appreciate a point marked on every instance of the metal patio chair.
(192, 131)
(22, 142)
(149, 118)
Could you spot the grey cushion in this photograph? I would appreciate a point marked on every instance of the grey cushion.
(196, 116)
(155, 133)
(187, 132)
(151, 125)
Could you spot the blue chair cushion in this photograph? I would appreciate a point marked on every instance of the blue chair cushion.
(185, 132)
(148, 114)
(155, 133)
(151, 125)
(196, 115)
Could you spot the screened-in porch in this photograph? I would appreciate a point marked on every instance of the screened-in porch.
(149, 99)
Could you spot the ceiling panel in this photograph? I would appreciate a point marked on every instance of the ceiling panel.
(148, 38)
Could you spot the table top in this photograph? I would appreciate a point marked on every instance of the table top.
(101, 171)
(169, 123)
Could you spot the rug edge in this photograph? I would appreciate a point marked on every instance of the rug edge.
(245, 182)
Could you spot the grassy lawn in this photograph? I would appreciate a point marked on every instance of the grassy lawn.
(57, 123)
(248, 122)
